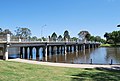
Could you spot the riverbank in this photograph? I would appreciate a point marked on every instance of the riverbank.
(109, 45)
(15, 71)
(65, 64)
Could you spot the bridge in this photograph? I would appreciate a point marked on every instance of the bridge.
(47, 46)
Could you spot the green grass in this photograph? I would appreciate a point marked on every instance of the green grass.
(106, 45)
(13, 71)
(109, 45)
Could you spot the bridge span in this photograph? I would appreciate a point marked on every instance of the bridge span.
(60, 46)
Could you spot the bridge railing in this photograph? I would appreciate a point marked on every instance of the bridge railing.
(9, 38)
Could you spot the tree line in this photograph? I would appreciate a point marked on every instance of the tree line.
(25, 33)
(112, 37)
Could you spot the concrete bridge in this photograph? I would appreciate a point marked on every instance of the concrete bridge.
(46, 46)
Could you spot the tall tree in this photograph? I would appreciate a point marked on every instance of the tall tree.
(54, 36)
(84, 35)
(7, 31)
(59, 38)
(66, 35)
(106, 35)
(23, 32)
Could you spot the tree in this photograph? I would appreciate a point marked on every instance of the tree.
(97, 39)
(92, 38)
(74, 39)
(59, 38)
(23, 32)
(106, 35)
(54, 36)
(84, 35)
(66, 35)
(1, 31)
(34, 38)
(113, 37)
(7, 31)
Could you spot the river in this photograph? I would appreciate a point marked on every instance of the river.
(102, 55)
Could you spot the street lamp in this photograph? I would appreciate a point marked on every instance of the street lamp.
(42, 30)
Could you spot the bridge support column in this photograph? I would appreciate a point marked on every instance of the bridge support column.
(21, 52)
(65, 49)
(52, 50)
(76, 48)
(89, 46)
(61, 49)
(58, 48)
(84, 47)
(26, 55)
(5, 55)
(31, 55)
(46, 52)
(70, 48)
(37, 53)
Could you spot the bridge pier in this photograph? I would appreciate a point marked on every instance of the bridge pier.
(76, 48)
(5, 55)
(65, 49)
(30, 53)
(37, 53)
(46, 52)
(70, 48)
(21, 52)
(84, 46)
(58, 48)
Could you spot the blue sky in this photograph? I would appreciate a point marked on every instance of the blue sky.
(95, 16)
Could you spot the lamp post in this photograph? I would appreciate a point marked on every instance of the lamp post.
(42, 30)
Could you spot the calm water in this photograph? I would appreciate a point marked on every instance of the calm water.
(101, 55)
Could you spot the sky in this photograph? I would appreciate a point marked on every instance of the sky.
(48, 16)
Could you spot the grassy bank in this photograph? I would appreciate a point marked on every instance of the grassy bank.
(13, 71)
(106, 45)
(109, 45)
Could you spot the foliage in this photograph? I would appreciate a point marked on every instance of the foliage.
(43, 39)
(113, 37)
(7, 31)
(34, 38)
(54, 36)
(96, 39)
(84, 35)
(74, 38)
(66, 35)
(23, 32)
(59, 38)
